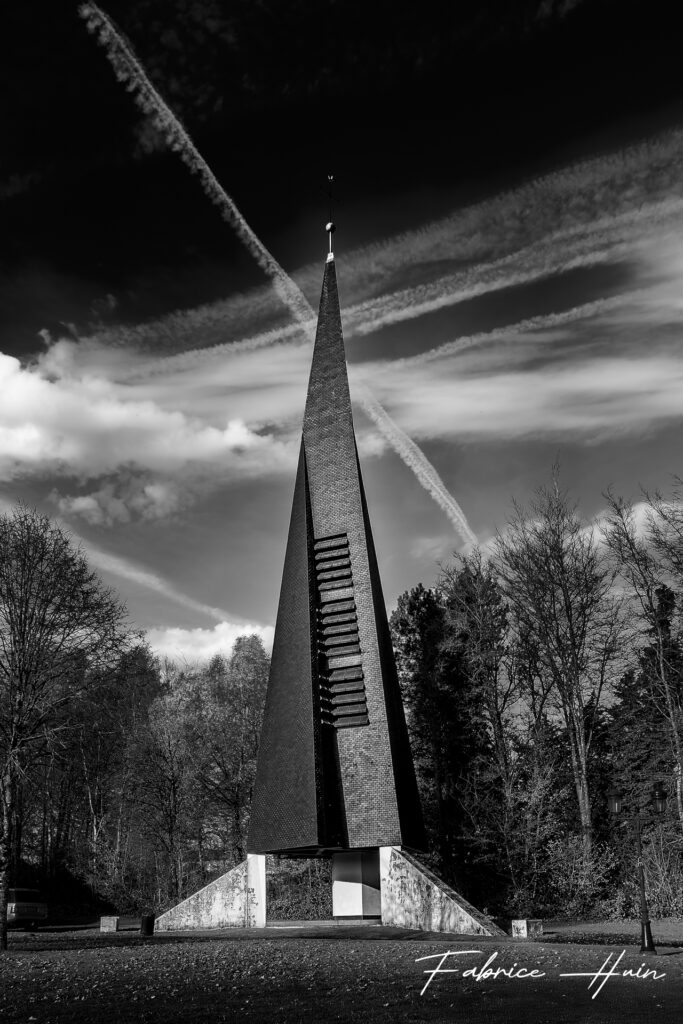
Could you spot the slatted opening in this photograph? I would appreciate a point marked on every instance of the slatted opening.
(342, 688)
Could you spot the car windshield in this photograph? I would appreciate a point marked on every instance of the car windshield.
(24, 896)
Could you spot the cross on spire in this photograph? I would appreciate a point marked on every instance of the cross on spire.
(330, 226)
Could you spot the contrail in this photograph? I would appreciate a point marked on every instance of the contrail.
(534, 323)
(415, 459)
(585, 246)
(289, 333)
(584, 194)
(127, 570)
(129, 71)
(361, 320)
(541, 260)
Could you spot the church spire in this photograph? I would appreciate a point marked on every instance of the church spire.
(334, 770)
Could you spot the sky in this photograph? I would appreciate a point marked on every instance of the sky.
(508, 197)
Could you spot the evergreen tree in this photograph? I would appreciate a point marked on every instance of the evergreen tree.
(444, 720)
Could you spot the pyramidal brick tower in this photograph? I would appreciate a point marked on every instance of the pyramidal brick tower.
(335, 772)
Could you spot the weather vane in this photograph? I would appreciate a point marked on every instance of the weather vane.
(330, 227)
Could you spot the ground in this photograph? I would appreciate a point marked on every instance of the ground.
(308, 974)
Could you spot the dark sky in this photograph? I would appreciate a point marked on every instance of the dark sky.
(509, 202)
(417, 100)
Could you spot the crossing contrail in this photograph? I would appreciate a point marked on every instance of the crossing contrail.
(571, 249)
(416, 460)
(546, 321)
(581, 196)
(129, 71)
(563, 251)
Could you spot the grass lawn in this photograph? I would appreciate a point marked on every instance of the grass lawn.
(333, 974)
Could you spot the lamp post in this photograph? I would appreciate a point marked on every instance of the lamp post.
(615, 800)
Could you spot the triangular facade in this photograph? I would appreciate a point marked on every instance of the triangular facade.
(335, 770)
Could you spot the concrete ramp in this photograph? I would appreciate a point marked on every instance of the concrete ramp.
(414, 897)
(235, 900)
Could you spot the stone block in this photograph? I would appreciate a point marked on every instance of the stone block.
(109, 924)
(527, 928)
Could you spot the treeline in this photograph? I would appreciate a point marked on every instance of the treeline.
(145, 794)
(537, 679)
(123, 779)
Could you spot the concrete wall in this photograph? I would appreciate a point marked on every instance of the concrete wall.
(413, 897)
(235, 900)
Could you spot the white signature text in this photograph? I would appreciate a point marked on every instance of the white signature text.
(489, 972)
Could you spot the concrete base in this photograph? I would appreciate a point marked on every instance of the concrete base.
(235, 900)
(527, 928)
(356, 885)
(413, 897)
(386, 885)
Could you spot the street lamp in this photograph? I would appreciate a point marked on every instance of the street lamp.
(615, 802)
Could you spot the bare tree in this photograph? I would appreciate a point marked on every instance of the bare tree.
(226, 722)
(513, 796)
(648, 559)
(57, 623)
(559, 586)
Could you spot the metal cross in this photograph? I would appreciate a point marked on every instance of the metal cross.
(329, 227)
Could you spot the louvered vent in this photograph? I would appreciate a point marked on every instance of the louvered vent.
(342, 690)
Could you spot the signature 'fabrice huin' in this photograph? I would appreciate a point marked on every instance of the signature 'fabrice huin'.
(486, 972)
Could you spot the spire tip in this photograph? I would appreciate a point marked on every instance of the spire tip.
(330, 227)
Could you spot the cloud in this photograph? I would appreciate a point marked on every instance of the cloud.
(141, 443)
(634, 234)
(589, 400)
(121, 500)
(192, 645)
(431, 549)
(64, 415)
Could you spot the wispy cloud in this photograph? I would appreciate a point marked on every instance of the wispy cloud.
(129, 70)
(588, 400)
(532, 325)
(631, 235)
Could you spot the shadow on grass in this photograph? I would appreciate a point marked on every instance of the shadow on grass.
(602, 939)
(63, 942)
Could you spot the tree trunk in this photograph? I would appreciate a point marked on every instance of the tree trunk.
(6, 794)
(673, 717)
(577, 747)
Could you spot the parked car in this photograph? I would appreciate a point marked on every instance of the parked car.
(26, 908)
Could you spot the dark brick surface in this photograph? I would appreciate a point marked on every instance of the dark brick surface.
(363, 776)
(284, 810)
